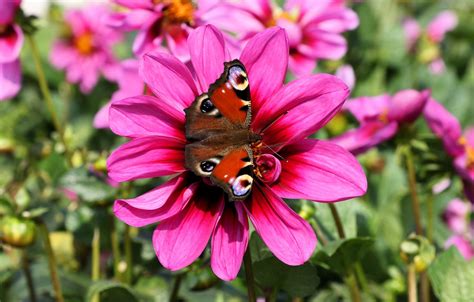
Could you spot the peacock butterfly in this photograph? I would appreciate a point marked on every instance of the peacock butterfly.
(219, 138)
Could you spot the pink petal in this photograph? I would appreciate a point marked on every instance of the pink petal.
(437, 66)
(464, 246)
(208, 54)
(157, 204)
(7, 13)
(229, 242)
(367, 136)
(143, 116)
(320, 171)
(412, 32)
(369, 108)
(176, 41)
(301, 65)
(309, 103)
(407, 105)
(180, 239)
(169, 79)
(444, 125)
(290, 238)
(62, 55)
(146, 157)
(135, 4)
(445, 21)
(10, 44)
(455, 215)
(323, 45)
(10, 79)
(347, 75)
(101, 118)
(265, 54)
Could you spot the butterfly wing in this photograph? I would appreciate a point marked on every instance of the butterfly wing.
(217, 130)
(224, 108)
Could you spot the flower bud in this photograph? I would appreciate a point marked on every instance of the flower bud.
(17, 232)
(417, 250)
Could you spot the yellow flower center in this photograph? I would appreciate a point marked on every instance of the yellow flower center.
(279, 13)
(3, 28)
(469, 152)
(383, 117)
(84, 43)
(177, 11)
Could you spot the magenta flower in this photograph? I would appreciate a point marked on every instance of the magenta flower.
(347, 75)
(11, 41)
(314, 28)
(85, 52)
(429, 49)
(166, 22)
(457, 215)
(460, 147)
(129, 84)
(191, 210)
(380, 118)
(463, 244)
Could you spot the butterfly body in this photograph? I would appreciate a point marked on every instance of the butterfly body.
(220, 141)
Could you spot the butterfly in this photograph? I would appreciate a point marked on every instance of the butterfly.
(219, 138)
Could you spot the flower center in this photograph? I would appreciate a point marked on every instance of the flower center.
(84, 43)
(469, 152)
(268, 168)
(177, 11)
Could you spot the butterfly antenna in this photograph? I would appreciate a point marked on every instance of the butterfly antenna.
(272, 123)
(274, 152)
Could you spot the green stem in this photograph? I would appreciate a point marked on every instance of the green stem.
(337, 221)
(252, 297)
(115, 249)
(176, 286)
(411, 279)
(52, 263)
(360, 274)
(350, 279)
(425, 287)
(128, 255)
(29, 280)
(321, 237)
(430, 220)
(415, 201)
(353, 287)
(95, 275)
(43, 84)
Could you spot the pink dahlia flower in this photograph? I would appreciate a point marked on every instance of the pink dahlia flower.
(315, 28)
(11, 41)
(434, 34)
(129, 84)
(380, 118)
(191, 210)
(460, 147)
(463, 244)
(167, 22)
(457, 215)
(85, 52)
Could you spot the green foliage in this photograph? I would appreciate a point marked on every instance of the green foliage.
(452, 277)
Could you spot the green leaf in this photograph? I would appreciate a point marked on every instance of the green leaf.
(452, 277)
(340, 254)
(89, 187)
(110, 292)
(54, 165)
(297, 281)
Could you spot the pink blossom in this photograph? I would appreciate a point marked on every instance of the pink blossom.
(433, 35)
(464, 246)
(85, 52)
(459, 146)
(456, 216)
(190, 210)
(380, 117)
(11, 41)
(129, 84)
(166, 22)
(314, 28)
(347, 75)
